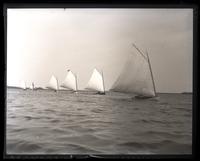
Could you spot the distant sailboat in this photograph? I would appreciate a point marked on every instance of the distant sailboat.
(136, 76)
(32, 86)
(53, 83)
(70, 81)
(23, 85)
(96, 82)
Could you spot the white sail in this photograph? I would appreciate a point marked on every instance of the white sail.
(70, 81)
(135, 76)
(96, 82)
(32, 86)
(23, 85)
(53, 83)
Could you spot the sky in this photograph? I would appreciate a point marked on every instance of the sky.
(46, 42)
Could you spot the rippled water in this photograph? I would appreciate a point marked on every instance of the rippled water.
(46, 122)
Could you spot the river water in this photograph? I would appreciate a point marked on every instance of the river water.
(48, 122)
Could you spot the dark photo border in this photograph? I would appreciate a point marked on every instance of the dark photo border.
(109, 4)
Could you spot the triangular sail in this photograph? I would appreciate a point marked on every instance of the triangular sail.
(70, 81)
(23, 84)
(53, 83)
(96, 82)
(135, 76)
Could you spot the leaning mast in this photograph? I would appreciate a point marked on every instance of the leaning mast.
(149, 63)
(154, 87)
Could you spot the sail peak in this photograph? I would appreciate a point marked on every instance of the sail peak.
(96, 81)
(53, 83)
(70, 81)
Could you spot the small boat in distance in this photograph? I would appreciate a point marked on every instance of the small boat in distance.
(39, 88)
(70, 81)
(23, 85)
(32, 86)
(96, 82)
(53, 83)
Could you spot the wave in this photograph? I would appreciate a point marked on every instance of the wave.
(163, 103)
(80, 148)
(55, 121)
(96, 122)
(97, 110)
(183, 109)
(84, 101)
(150, 121)
(162, 146)
(46, 117)
(161, 133)
(18, 130)
(23, 147)
(49, 110)
(86, 139)
(31, 118)
(13, 116)
(80, 129)
(17, 106)
(59, 130)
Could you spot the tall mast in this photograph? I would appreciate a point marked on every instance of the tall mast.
(149, 63)
(57, 85)
(103, 82)
(76, 83)
(151, 73)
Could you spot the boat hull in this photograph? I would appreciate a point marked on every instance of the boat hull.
(143, 97)
(101, 93)
(156, 98)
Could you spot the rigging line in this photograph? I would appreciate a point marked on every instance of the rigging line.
(140, 52)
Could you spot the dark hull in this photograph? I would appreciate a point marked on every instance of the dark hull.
(155, 98)
(100, 93)
(143, 97)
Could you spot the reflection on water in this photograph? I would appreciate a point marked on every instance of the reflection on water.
(46, 122)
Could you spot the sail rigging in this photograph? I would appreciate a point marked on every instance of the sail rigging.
(53, 83)
(96, 82)
(70, 81)
(136, 76)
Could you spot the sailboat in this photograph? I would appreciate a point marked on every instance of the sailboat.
(23, 85)
(32, 86)
(70, 81)
(136, 76)
(53, 83)
(96, 82)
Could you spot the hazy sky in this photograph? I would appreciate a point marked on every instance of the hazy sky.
(42, 42)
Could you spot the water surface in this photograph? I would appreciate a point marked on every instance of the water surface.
(48, 122)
